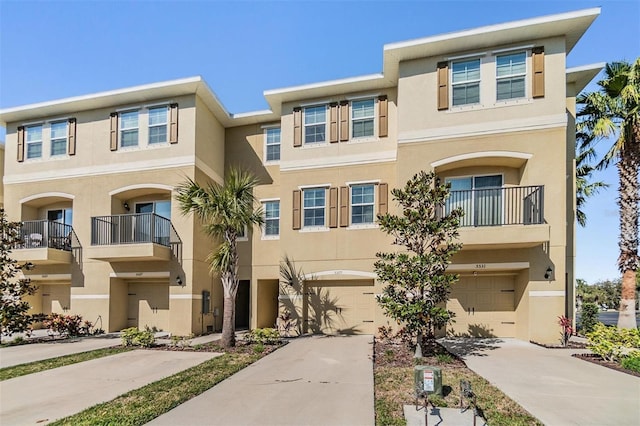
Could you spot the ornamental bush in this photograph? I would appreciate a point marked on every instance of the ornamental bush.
(613, 343)
(134, 337)
(632, 363)
(67, 325)
(588, 317)
(268, 336)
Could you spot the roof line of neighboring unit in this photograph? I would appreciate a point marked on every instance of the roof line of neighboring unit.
(493, 28)
(157, 85)
(368, 77)
(589, 67)
(252, 113)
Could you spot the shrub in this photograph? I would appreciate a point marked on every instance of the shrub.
(612, 343)
(68, 325)
(566, 330)
(589, 317)
(134, 337)
(632, 362)
(269, 336)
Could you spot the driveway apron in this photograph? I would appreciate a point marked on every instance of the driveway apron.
(319, 380)
(552, 385)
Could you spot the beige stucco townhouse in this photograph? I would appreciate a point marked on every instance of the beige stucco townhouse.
(491, 110)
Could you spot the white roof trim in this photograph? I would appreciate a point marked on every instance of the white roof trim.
(363, 78)
(597, 66)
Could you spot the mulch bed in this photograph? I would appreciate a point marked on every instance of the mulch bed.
(597, 359)
(570, 345)
(396, 353)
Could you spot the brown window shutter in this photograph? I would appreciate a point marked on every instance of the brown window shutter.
(296, 208)
(443, 86)
(114, 131)
(333, 207)
(383, 198)
(537, 56)
(173, 123)
(20, 144)
(297, 127)
(344, 206)
(383, 117)
(71, 137)
(344, 121)
(333, 122)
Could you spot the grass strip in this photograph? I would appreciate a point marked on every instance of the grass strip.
(142, 405)
(48, 364)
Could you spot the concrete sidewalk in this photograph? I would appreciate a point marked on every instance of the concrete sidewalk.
(22, 354)
(319, 380)
(552, 385)
(44, 397)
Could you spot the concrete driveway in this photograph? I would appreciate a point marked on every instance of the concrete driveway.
(552, 385)
(44, 397)
(319, 380)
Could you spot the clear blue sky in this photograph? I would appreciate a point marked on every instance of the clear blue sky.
(56, 49)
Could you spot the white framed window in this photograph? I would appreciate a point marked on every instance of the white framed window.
(158, 120)
(271, 218)
(314, 202)
(315, 124)
(480, 198)
(64, 216)
(465, 82)
(272, 144)
(362, 118)
(511, 71)
(362, 204)
(34, 141)
(243, 235)
(58, 138)
(129, 128)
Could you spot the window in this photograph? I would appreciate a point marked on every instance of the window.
(480, 197)
(272, 143)
(64, 216)
(362, 118)
(315, 124)
(314, 205)
(362, 202)
(511, 71)
(58, 138)
(271, 218)
(156, 228)
(129, 129)
(243, 234)
(157, 125)
(34, 141)
(465, 82)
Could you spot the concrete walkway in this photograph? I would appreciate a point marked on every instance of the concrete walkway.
(44, 397)
(552, 385)
(319, 380)
(22, 354)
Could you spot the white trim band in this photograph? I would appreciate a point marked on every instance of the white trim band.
(139, 274)
(547, 293)
(185, 296)
(338, 272)
(89, 296)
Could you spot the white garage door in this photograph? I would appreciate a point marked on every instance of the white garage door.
(484, 306)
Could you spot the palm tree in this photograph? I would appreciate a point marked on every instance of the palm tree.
(585, 188)
(613, 110)
(225, 210)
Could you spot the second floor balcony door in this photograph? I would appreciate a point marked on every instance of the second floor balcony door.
(480, 197)
(150, 228)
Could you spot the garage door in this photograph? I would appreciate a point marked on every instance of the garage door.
(148, 305)
(484, 306)
(345, 307)
(55, 298)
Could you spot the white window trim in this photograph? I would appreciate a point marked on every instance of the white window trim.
(66, 139)
(143, 127)
(312, 228)
(122, 129)
(245, 237)
(373, 224)
(46, 140)
(264, 151)
(304, 125)
(165, 124)
(466, 106)
(527, 84)
(374, 117)
(40, 141)
(264, 228)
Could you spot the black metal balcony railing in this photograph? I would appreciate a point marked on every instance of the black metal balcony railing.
(134, 229)
(47, 234)
(519, 205)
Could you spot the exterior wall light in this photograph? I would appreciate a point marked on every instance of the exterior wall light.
(547, 274)
(126, 206)
(178, 280)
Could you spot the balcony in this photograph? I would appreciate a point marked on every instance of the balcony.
(133, 237)
(510, 217)
(46, 242)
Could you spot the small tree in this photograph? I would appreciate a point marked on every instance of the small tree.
(418, 285)
(14, 317)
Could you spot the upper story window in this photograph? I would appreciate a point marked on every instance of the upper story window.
(511, 70)
(129, 129)
(480, 197)
(314, 207)
(34, 141)
(362, 118)
(272, 144)
(158, 124)
(315, 124)
(64, 216)
(58, 138)
(465, 82)
(362, 204)
(271, 218)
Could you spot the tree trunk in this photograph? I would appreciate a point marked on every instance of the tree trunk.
(229, 323)
(627, 314)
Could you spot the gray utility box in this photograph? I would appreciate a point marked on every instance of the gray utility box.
(427, 379)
